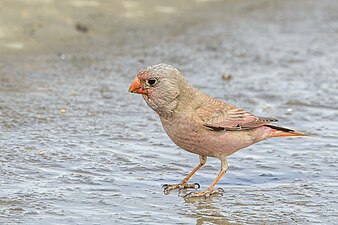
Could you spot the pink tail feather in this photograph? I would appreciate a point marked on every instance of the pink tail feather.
(283, 132)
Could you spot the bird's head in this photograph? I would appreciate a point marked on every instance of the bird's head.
(160, 85)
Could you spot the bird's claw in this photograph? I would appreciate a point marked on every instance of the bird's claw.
(167, 188)
(205, 194)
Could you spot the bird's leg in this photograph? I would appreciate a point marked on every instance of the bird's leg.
(210, 190)
(183, 184)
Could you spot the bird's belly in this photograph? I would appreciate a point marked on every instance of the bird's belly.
(196, 139)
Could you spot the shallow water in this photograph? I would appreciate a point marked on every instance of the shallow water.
(76, 148)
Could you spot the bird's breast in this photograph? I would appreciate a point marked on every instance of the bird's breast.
(183, 131)
(187, 133)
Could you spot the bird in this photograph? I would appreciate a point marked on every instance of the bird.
(201, 124)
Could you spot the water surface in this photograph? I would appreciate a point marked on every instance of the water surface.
(76, 148)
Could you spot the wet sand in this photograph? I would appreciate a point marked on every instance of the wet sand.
(76, 148)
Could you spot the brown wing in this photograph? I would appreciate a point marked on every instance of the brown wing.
(217, 115)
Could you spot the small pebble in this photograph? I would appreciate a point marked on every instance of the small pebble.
(226, 76)
(82, 28)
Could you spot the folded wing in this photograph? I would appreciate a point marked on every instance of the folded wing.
(217, 115)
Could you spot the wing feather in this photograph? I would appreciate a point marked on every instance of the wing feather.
(217, 115)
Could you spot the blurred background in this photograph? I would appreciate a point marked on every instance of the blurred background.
(77, 148)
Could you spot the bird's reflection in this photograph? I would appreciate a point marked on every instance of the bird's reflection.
(204, 210)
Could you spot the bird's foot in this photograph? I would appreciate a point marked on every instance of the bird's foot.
(207, 193)
(167, 188)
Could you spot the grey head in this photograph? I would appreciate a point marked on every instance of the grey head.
(161, 85)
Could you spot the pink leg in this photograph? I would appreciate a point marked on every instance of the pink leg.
(210, 191)
(183, 184)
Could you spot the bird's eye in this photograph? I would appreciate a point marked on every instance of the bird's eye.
(151, 81)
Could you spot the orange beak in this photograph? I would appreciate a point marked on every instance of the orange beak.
(136, 87)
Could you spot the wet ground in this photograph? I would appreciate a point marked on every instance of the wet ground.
(76, 148)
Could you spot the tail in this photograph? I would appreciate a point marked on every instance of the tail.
(283, 132)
